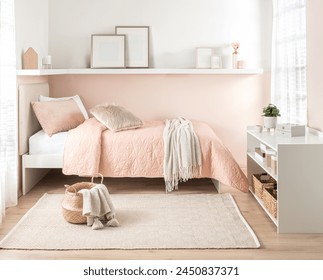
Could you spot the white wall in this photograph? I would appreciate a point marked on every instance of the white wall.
(31, 28)
(63, 28)
(177, 28)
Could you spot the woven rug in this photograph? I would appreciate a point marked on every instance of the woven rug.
(147, 221)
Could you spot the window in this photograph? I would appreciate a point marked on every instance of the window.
(289, 92)
(8, 108)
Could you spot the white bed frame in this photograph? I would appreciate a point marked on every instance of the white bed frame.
(35, 167)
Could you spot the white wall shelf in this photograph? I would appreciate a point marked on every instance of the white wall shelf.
(143, 71)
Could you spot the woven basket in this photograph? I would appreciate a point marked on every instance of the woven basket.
(269, 198)
(72, 204)
(259, 183)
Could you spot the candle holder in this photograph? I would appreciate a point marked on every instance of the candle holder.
(47, 62)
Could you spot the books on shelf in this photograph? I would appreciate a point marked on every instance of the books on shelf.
(269, 154)
(260, 155)
(264, 155)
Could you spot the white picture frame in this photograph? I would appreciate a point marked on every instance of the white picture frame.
(203, 57)
(216, 62)
(137, 45)
(108, 51)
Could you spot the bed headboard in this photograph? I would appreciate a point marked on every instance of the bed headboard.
(28, 123)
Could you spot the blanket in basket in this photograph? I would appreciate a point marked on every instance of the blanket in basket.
(98, 206)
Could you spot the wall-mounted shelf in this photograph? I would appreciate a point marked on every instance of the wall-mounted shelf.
(143, 71)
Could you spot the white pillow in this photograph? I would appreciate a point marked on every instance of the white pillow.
(76, 98)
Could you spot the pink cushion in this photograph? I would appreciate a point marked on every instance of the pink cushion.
(57, 116)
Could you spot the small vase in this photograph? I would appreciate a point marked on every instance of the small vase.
(234, 60)
(270, 122)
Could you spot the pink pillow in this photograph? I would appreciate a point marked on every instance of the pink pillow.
(57, 116)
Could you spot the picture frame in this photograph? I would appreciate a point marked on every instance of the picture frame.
(203, 57)
(108, 51)
(137, 45)
(216, 62)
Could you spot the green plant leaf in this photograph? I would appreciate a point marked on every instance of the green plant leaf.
(271, 111)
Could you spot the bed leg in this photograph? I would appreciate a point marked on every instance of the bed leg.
(31, 176)
(217, 185)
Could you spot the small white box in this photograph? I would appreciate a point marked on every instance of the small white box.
(263, 147)
(260, 158)
(291, 130)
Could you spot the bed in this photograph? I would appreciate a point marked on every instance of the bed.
(40, 153)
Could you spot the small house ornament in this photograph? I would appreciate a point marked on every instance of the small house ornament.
(30, 59)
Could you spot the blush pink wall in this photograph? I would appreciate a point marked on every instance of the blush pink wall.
(228, 103)
(31, 79)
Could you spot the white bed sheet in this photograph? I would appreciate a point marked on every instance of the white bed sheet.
(41, 143)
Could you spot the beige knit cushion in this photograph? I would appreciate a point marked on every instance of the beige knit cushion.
(57, 116)
(115, 118)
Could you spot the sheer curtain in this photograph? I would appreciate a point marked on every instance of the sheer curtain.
(289, 60)
(8, 108)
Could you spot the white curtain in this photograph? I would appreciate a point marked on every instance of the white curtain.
(289, 60)
(8, 109)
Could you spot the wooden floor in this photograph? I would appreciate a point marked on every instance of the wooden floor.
(273, 246)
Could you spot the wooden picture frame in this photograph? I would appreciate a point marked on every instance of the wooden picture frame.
(137, 45)
(108, 51)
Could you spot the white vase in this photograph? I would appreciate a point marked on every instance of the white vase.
(226, 61)
(270, 122)
(235, 60)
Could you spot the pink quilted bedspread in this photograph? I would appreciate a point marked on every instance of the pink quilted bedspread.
(91, 148)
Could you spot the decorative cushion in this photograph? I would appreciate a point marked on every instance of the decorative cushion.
(57, 116)
(115, 118)
(77, 99)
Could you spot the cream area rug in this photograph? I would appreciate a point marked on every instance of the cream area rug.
(147, 221)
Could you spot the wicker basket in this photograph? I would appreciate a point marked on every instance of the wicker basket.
(261, 181)
(269, 198)
(72, 204)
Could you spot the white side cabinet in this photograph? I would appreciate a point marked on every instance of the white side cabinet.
(299, 178)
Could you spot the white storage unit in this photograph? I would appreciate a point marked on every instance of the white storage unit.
(299, 178)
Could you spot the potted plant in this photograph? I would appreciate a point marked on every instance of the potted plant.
(270, 114)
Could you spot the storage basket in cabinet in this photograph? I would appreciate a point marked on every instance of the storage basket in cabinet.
(269, 198)
(261, 181)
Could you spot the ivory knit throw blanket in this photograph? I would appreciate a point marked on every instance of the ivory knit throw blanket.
(182, 158)
(98, 206)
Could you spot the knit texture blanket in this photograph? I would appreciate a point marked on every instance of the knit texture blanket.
(182, 158)
(98, 206)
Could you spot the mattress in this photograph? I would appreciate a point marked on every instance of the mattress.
(41, 143)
